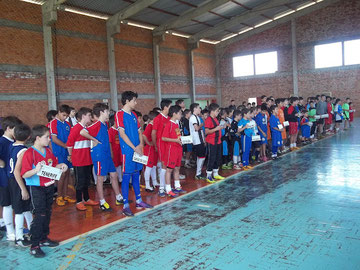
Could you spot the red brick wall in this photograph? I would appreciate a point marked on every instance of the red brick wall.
(80, 59)
(339, 21)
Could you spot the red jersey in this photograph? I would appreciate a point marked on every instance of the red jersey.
(147, 131)
(159, 124)
(31, 158)
(115, 146)
(80, 145)
(172, 131)
(213, 138)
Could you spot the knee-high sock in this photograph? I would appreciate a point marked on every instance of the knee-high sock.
(162, 178)
(119, 172)
(125, 188)
(19, 226)
(159, 168)
(153, 176)
(199, 165)
(29, 218)
(136, 185)
(8, 219)
(147, 177)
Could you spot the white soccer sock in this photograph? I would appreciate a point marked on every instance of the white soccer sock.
(168, 188)
(102, 201)
(19, 226)
(177, 184)
(216, 172)
(119, 197)
(199, 165)
(147, 177)
(162, 178)
(208, 174)
(153, 176)
(8, 218)
(29, 218)
(119, 172)
(187, 161)
(235, 159)
(159, 168)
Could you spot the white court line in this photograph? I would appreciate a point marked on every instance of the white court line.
(177, 198)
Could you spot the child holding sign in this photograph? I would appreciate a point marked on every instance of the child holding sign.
(41, 188)
(173, 151)
(131, 142)
(276, 129)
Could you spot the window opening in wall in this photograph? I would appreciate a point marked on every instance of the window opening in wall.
(243, 65)
(328, 55)
(266, 63)
(352, 52)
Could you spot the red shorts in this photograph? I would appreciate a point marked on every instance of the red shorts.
(161, 151)
(328, 121)
(173, 156)
(152, 154)
(293, 128)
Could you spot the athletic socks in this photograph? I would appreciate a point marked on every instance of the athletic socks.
(136, 184)
(208, 174)
(102, 201)
(199, 165)
(29, 218)
(177, 184)
(147, 175)
(119, 197)
(8, 219)
(162, 179)
(168, 188)
(216, 172)
(19, 226)
(153, 176)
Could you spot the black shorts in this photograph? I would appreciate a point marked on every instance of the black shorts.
(5, 199)
(321, 121)
(18, 204)
(200, 150)
(338, 121)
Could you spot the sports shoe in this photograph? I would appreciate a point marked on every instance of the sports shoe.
(225, 167)
(37, 252)
(91, 202)
(22, 243)
(219, 177)
(143, 205)
(162, 193)
(81, 206)
(182, 177)
(246, 168)
(172, 194)
(105, 207)
(60, 201)
(48, 243)
(200, 177)
(178, 190)
(119, 202)
(150, 190)
(237, 167)
(68, 199)
(127, 212)
(210, 180)
(10, 237)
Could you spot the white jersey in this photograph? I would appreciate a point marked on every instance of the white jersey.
(197, 136)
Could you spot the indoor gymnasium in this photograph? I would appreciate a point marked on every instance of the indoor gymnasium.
(179, 134)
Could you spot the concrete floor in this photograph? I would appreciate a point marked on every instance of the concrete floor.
(299, 212)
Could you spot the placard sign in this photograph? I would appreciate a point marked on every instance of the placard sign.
(280, 126)
(325, 115)
(317, 116)
(186, 140)
(140, 158)
(256, 138)
(286, 123)
(50, 172)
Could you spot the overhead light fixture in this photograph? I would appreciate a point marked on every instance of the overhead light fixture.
(86, 13)
(140, 25)
(36, 2)
(281, 15)
(246, 30)
(305, 5)
(229, 36)
(263, 23)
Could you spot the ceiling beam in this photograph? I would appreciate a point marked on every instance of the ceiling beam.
(115, 20)
(275, 23)
(188, 15)
(236, 20)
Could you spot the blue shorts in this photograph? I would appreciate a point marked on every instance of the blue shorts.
(102, 168)
(263, 140)
(63, 159)
(129, 166)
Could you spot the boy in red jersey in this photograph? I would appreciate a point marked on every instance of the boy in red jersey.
(292, 117)
(115, 147)
(160, 122)
(173, 150)
(41, 188)
(213, 139)
(79, 152)
(149, 150)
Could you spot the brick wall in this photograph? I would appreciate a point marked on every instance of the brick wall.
(81, 64)
(339, 21)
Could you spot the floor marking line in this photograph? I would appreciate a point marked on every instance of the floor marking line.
(179, 197)
(70, 258)
(203, 205)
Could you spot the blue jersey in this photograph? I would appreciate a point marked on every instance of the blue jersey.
(14, 151)
(131, 126)
(248, 131)
(261, 121)
(101, 152)
(305, 129)
(5, 144)
(275, 134)
(62, 131)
